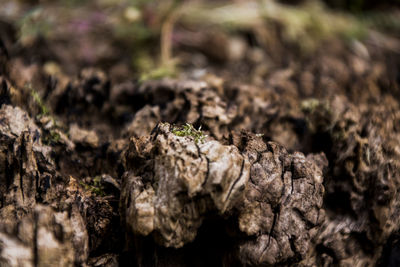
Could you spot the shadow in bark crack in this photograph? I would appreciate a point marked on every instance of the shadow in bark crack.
(213, 246)
(391, 252)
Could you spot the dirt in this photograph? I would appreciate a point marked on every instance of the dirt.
(297, 162)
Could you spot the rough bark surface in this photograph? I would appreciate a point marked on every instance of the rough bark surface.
(173, 184)
(37, 235)
(362, 187)
(43, 238)
(283, 205)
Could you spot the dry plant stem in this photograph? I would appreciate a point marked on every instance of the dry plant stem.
(166, 36)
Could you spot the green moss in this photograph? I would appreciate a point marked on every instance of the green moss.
(95, 186)
(309, 105)
(189, 130)
(51, 138)
(159, 73)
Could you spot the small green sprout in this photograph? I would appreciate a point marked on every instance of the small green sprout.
(52, 135)
(33, 24)
(38, 100)
(189, 130)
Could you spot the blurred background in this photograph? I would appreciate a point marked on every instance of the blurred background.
(240, 40)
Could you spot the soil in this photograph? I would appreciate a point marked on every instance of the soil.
(297, 162)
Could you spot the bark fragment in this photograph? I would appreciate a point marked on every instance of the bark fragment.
(178, 183)
(43, 238)
(283, 204)
(173, 184)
